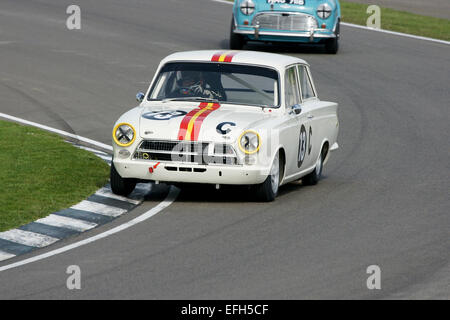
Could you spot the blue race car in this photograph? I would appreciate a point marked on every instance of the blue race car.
(301, 21)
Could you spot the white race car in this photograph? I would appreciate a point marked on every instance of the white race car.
(228, 117)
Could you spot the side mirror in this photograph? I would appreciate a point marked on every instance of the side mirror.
(297, 109)
(140, 96)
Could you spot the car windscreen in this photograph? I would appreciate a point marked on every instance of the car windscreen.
(224, 82)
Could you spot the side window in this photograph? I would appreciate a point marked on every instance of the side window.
(305, 83)
(292, 91)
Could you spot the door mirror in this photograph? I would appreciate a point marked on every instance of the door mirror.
(297, 109)
(140, 96)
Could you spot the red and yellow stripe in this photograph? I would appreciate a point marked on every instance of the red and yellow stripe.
(192, 122)
(226, 56)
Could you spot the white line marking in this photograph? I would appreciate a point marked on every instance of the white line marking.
(173, 193)
(88, 149)
(372, 29)
(5, 255)
(66, 222)
(99, 208)
(106, 192)
(107, 158)
(61, 132)
(223, 1)
(27, 238)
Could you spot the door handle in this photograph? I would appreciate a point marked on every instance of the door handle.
(310, 116)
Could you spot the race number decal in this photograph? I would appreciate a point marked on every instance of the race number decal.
(302, 146)
(163, 115)
(309, 139)
(224, 127)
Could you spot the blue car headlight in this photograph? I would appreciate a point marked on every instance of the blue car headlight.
(324, 11)
(247, 7)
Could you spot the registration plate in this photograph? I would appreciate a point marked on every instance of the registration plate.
(295, 2)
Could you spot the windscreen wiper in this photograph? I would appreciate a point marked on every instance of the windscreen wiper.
(191, 98)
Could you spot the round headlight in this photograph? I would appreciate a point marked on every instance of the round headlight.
(249, 142)
(324, 11)
(124, 134)
(247, 7)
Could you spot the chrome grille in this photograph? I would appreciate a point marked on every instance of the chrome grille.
(186, 152)
(285, 21)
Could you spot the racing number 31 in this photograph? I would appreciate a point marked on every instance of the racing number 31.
(304, 140)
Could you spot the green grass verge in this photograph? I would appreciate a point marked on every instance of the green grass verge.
(41, 174)
(399, 21)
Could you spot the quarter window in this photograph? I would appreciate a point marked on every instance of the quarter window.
(305, 83)
(292, 91)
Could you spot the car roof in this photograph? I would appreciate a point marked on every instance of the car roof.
(274, 60)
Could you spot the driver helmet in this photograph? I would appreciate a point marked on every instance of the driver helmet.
(190, 80)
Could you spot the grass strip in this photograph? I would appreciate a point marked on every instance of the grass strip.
(41, 174)
(399, 21)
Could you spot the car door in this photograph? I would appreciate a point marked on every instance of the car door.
(312, 109)
(297, 126)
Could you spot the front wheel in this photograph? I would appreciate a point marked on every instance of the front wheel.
(119, 185)
(332, 45)
(237, 41)
(268, 190)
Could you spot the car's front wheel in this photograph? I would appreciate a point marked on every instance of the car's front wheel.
(268, 190)
(332, 45)
(119, 185)
(237, 41)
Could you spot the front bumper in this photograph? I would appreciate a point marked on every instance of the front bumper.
(257, 34)
(191, 173)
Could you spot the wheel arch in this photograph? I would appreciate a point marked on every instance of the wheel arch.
(325, 147)
(282, 154)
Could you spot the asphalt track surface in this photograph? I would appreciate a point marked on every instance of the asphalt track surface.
(384, 199)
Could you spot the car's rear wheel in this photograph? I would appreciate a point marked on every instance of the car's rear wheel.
(268, 190)
(237, 41)
(119, 185)
(314, 177)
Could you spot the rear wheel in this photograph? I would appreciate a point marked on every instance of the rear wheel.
(314, 177)
(237, 41)
(119, 185)
(268, 190)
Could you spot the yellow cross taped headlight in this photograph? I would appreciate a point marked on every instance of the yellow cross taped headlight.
(249, 142)
(124, 134)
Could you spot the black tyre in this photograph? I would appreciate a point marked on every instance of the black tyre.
(314, 177)
(237, 41)
(268, 190)
(119, 185)
(332, 45)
